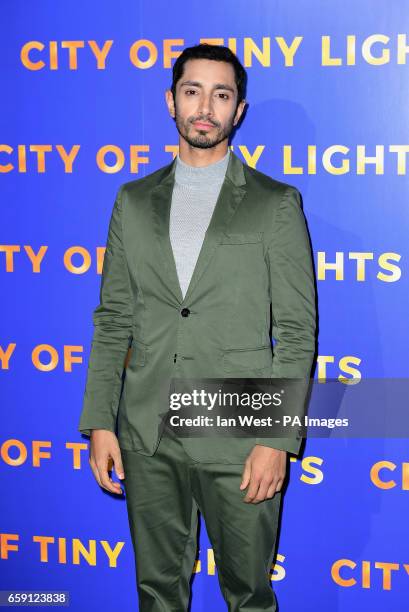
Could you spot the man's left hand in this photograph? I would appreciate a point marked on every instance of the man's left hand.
(264, 473)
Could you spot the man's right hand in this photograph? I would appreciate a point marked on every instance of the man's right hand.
(104, 447)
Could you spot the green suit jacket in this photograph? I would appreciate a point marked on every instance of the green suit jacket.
(253, 280)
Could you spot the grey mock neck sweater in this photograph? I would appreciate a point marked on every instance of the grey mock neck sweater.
(194, 197)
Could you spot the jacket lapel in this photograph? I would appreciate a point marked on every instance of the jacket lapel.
(230, 196)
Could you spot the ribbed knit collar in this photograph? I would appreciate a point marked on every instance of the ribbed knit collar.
(202, 176)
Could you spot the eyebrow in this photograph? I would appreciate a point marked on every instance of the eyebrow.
(216, 86)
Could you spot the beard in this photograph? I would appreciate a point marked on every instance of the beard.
(201, 138)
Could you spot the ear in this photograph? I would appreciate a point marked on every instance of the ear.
(170, 102)
(239, 112)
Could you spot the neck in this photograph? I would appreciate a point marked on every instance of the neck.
(201, 176)
(193, 156)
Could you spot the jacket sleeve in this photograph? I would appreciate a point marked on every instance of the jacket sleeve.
(292, 294)
(113, 319)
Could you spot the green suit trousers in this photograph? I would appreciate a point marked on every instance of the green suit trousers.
(164, 492)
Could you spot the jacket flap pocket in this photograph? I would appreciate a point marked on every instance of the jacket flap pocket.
(245, 238)
(139, 351)
(248, 359)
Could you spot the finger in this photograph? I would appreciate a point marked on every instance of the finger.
(253, 488)
(119, 468)
(246, 476)
(95, 472)
(106, 481)
(115, 484)
(279, 484)
(262, 491)
(271, 491)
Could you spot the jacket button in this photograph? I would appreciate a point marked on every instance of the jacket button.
(185, 312)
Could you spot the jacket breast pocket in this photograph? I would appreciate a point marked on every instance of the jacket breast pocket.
(239, 266)
(249, 360)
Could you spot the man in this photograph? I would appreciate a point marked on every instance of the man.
(206, 259)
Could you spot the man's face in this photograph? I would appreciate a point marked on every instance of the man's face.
(206, 99)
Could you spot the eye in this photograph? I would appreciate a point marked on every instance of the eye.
(190, 91)
(226, 96)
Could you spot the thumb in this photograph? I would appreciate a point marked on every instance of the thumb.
(246, 476)
(119, 469)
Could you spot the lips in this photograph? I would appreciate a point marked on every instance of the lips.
(200, 125)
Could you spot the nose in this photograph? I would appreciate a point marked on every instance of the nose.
(205, 105)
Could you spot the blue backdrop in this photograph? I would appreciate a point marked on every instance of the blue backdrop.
(82, 100)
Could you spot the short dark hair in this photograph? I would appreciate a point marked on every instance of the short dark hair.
(217, 53)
